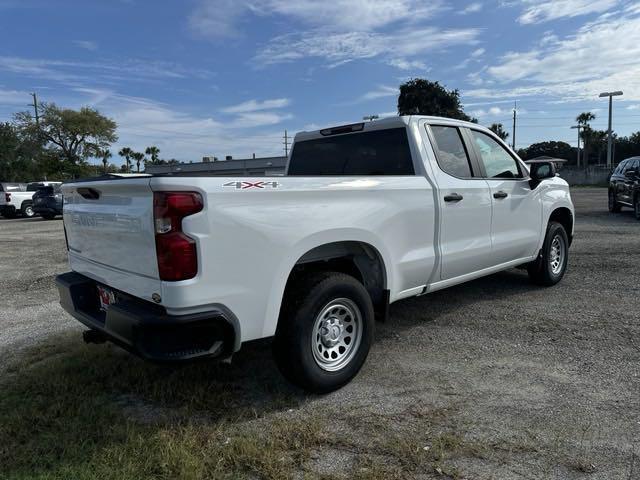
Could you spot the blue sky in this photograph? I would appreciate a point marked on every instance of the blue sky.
(218, 77)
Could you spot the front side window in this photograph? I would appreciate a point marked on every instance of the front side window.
(450, 152)
(379, 152)
(497, 161)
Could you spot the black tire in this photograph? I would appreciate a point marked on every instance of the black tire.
(9, 215)
(27, 210)
(543, 270)
(636, 206)
(48, 216)
(299, 350)
(614, 206)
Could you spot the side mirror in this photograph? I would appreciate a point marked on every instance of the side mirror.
(541, 171)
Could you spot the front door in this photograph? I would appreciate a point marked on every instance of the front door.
(516, 223)
(465, 206)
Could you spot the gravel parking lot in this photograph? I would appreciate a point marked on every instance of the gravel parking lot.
(502, 378)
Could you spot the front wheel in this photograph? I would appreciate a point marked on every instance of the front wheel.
(325, 331)
(551, 264)
(614, 206)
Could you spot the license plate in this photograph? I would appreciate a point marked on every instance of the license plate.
(106, 296)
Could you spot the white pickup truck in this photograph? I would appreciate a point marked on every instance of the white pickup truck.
(175, 268)
(17, 198)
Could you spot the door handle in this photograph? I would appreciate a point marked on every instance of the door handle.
(454, 197)
(500, 194)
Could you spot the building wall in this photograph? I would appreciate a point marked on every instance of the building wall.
(595, 175)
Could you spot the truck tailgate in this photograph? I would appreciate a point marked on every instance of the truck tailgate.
(110, 233)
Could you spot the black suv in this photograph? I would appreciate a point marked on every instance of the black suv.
(47, 201)
(624, 186)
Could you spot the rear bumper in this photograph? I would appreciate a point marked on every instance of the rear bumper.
(47, 208)
(145, 329)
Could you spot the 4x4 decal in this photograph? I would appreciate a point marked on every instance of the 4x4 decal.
(247, 185)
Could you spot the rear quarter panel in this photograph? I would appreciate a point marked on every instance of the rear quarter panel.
(249, 239)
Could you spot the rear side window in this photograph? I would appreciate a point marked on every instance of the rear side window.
(381, 152)
(451, 154)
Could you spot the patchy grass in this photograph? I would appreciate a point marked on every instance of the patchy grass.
(86, 412)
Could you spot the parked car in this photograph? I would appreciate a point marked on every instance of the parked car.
(624, 186)
(176, 268)
(7, 190)
(47, 201)
(19, 201)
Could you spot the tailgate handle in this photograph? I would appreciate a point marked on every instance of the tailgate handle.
(89, 193)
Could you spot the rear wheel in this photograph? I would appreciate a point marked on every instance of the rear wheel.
(614, 206)
(27, 210)
(48, 216)
(551, 265)
(324, 332)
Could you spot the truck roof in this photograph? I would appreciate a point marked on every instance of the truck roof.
(382, 124)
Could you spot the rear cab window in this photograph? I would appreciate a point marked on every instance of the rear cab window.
(377, 152)
(451, 154)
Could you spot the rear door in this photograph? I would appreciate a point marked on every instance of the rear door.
(465, 205)
(516, 220)
(628, 182)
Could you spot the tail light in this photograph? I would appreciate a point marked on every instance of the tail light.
(176, 252)
(7, 197)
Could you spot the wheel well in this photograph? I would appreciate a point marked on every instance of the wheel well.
(357, 259)
(564, 217)
(25, 203)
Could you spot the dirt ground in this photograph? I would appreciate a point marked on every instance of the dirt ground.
(503, 379)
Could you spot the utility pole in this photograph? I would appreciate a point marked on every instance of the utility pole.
(513, 133)
(578, 159)
(35, 108)
(286, 144)
(610, 131)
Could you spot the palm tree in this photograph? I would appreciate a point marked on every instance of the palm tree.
(105, 155)
(126, 152)
(498, 129)
(153, 152)
(138, 157)
(583, 120)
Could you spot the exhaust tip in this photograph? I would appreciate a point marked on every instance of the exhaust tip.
(93, 336)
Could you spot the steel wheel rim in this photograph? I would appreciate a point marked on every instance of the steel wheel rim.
(29, 211)
(557, 255)
(336, 334)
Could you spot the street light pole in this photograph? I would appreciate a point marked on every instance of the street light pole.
(610, 131)
(578, 159)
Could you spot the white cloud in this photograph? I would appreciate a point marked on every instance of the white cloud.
(471, 8)
(491, 112)
(600, 56)
(380, 92)
(255, 105)
(404, 64)
(86, 44)
(478, 53)
(220, 18)
(537, 11)
(178, 134)
(68, 71)
(338, 48)
(14, 97)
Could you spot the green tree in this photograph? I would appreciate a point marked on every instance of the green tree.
(153, 152)
(586, 134)
(74, 135)
(498, 129)
(423, 97)
(549, 149)
(126, 152)
(138, 157)
(105, 155)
